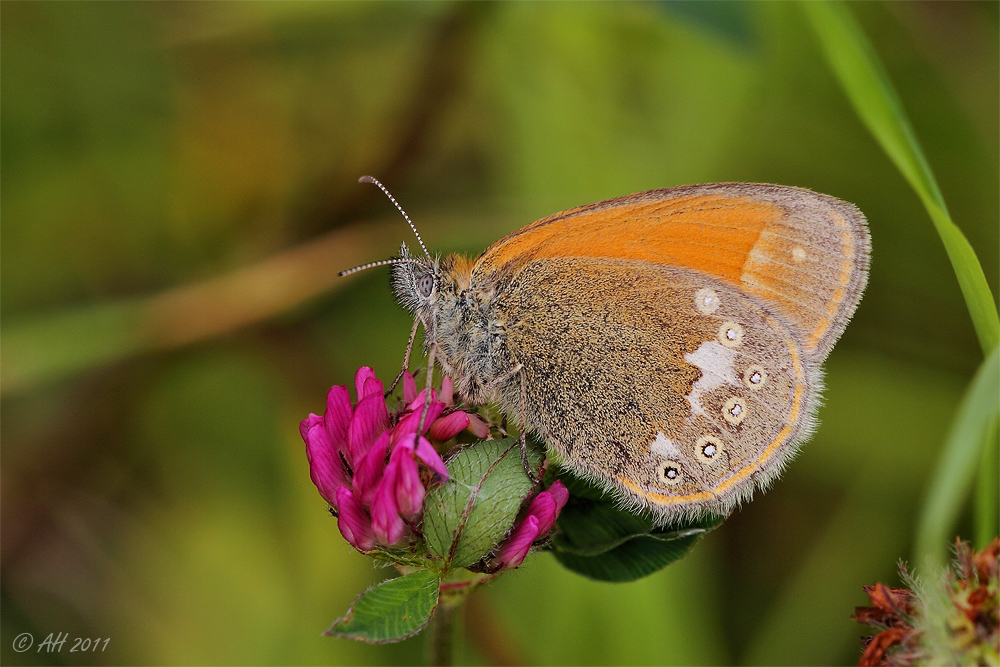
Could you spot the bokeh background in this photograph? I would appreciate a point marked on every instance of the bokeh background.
(180, 187)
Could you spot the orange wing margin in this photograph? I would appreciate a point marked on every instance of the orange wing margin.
(804, 252)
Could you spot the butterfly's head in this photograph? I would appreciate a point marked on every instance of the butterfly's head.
(433, 289)
(414, 282)
(430, 288)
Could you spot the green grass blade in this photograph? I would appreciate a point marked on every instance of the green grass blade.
(956, 469)
(864, 80)
(986, 514)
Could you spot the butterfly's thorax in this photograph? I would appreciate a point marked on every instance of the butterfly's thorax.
(463, 331)
(459, 324)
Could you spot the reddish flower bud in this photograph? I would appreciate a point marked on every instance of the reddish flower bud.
(387, 525)
(325, 467)
(338, 415)
(560, 493)
(477, 426)
(448, 426)
(369, 420)
(408, 424)
(307, 424)
(541, 515)
(360, 378)
(409, 388)
(368, 472)
(418, 402)
(353, 522)
(547, 505)
(447, 391)
(543, 508)
(515, 549)
(409, 489)
(425, 452)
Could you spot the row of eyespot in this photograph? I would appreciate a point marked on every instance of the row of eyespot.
(735, 409)
(730, 335)
(708, 447)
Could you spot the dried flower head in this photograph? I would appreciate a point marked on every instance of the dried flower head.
(953, 622)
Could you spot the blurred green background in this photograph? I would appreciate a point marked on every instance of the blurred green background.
(180, 187)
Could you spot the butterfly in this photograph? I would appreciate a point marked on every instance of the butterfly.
(667, 345)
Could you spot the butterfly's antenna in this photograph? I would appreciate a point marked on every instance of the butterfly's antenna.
(370, 179)
(372, 265)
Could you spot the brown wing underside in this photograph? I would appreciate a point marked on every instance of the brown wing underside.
(625, 373)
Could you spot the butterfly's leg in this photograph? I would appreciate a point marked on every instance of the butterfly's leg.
(502, 378)
(427, 390)
(535, 478)
(406, 357)
(519, 369)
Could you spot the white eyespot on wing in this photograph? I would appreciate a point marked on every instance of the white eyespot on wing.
(716, 364)
(662, 446)
(798, 254)
(730, 334)
(754, 377)
(670, 473)
(709, 449)
(735, 410)
(706, 301)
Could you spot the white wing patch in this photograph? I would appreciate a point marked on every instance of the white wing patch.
(716, 364)
(663, 447)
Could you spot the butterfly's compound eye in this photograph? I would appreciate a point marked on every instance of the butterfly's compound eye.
(425, 284)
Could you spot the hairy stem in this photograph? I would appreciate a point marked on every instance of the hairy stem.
(441, 642)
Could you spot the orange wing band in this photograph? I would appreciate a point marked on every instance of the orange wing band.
(803, 252)
(710, 233)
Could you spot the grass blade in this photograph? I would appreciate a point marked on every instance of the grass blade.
(857, 67)
(986, 514)
(956, 468)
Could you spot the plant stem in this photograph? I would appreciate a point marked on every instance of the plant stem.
(441, 642)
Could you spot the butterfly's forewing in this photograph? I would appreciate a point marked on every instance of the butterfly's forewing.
(804, 253)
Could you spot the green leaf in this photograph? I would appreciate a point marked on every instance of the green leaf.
(603, 527)
(468, 515)
(591, 524)
(577, 487)
(639, 557)
(954, 473)
(391, 611)
(866, 84)
(600, 540)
